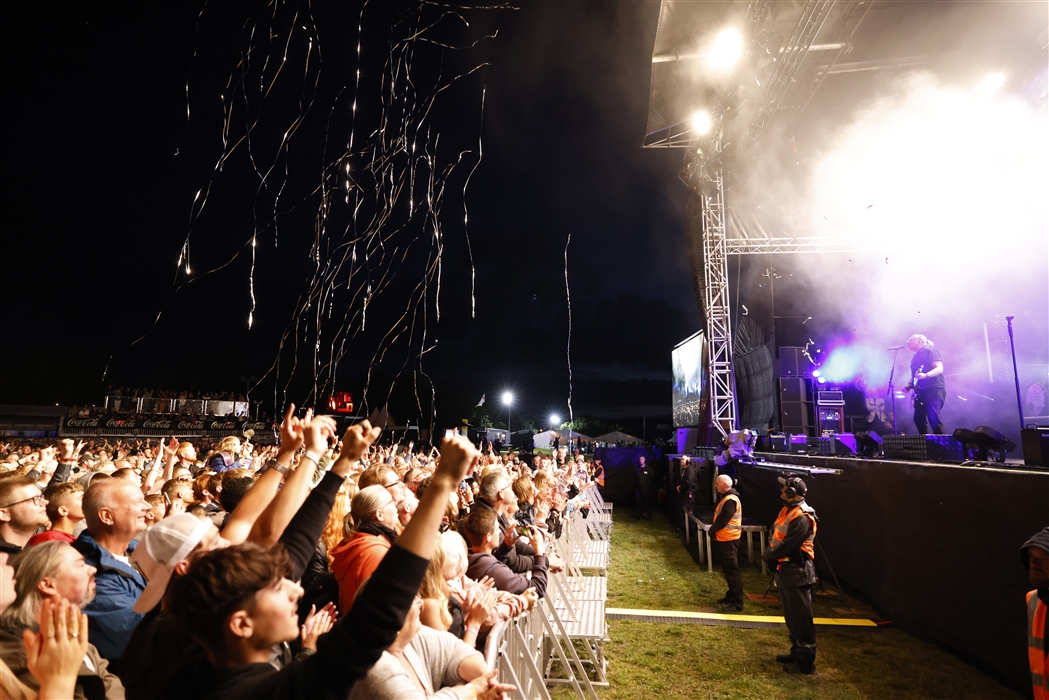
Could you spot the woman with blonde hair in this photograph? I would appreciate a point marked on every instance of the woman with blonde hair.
(372, 517)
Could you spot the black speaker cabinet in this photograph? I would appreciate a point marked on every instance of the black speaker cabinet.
(792, 362)
(1036, 446)
(924, 448)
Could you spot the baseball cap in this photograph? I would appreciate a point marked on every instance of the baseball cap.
(799, 486)
(162, 547)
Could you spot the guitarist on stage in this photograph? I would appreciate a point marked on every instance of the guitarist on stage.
(930, 390)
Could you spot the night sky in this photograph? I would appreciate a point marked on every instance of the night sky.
(100, 167)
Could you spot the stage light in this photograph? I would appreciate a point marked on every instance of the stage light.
(701, 122)
(991, 83)
(815, 373)
(822, 380)
(555, 419)
(508, 398)
(725, 51)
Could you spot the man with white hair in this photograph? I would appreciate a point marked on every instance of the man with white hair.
(727, 527)
(930, 389)
(53, 571)
(115, 512)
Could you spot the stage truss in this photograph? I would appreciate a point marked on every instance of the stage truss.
(703, 171)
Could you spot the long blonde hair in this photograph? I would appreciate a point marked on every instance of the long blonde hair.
(334, 529)
(435, 586)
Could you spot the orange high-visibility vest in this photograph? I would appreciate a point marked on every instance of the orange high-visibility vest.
(1036, 647)
(782, 525)
(734, 528)
(599, 476)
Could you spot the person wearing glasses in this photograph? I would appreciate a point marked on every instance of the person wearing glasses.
(22, 512)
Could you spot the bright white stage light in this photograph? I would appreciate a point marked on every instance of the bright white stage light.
(725, 50)
(555, 419)
(508, 398)
(991, 83)
(701, 122)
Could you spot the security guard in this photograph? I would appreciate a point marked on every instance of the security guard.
(791, 550)
(1035, 556)
(726, 529)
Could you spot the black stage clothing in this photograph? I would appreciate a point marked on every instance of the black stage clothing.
(794, 580)
(930, 393)
(643, 494)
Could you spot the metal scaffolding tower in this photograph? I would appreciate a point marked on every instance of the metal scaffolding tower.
(716, 305)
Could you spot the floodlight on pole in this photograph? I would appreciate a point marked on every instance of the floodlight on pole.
(508, 401)
(555, 420)
(725, 51)
(701, 122)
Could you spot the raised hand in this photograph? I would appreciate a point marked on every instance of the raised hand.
(458, 458)
(55, 653)
(357, 439)
(317, 431)
(292, 430)
(318, 622)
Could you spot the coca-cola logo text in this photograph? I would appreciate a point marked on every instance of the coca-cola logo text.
(82, 422)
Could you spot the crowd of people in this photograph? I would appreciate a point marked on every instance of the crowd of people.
(316, 567)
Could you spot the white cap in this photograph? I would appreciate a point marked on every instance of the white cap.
(162, 547)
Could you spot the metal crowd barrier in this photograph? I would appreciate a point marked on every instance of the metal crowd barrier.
(560, 642)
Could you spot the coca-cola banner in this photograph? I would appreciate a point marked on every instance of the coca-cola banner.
(117, 425)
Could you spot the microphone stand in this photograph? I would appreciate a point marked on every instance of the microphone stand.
(1016, 373)
(892, 388)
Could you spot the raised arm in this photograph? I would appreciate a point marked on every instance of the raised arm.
(243, 517)
(270, 525)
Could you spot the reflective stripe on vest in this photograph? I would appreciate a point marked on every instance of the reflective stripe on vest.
(1036, 646)
(735, 526)
(599, 477)
(782, 525)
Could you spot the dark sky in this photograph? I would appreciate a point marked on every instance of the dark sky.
(100, 167)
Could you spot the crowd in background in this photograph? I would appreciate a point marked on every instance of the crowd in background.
(314, 567)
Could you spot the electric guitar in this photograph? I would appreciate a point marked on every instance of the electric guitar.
(913, 385)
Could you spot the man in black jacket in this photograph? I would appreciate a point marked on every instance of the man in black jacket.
(791, 552)
(643, 494)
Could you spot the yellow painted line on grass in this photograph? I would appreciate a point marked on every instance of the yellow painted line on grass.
(772, 619)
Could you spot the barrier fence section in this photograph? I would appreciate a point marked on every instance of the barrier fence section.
(562, 641)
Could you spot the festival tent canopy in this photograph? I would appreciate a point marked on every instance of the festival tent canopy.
(618, 436)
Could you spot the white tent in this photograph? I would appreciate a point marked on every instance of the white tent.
(545, 439)
(618, 436)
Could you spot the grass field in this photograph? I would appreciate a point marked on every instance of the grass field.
(651, 569)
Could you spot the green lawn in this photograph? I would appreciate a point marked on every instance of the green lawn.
(651, 569)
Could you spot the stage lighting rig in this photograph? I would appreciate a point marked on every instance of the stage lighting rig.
(701, 122)
(725, 51)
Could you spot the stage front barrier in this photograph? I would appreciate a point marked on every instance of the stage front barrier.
(561, 641)
(934, 547)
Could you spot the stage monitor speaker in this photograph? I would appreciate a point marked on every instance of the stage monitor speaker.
(985, 444)
(924, 448)
(792, 361)
(868, 443)
(1036, 446)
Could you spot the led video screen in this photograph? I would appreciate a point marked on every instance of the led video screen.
(689, 361)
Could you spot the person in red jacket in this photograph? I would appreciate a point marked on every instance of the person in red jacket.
(374, 511)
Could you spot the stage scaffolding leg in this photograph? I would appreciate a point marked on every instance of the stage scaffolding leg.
(716, 303)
